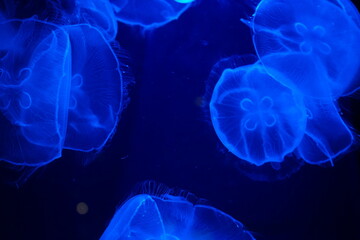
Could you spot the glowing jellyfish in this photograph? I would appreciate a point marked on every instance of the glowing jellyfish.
(172, 218)
(34, 84)
(326, 135)
(255, 117)
(96, 90)
(97, 13)
(149, 13)
(311, 46)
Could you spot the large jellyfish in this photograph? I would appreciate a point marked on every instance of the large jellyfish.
(311, 45)
(170, 217)
(149, 13)
(255, 117)
(96, 90)
(34, 91)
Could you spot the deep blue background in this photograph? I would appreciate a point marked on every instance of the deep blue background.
(164, 135)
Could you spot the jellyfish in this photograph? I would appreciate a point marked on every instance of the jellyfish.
(256, 118)
(311, 45)
(326, 135)
(96, 91)
(34, 82)
(170, 217)
(97, 13)
(149, 13)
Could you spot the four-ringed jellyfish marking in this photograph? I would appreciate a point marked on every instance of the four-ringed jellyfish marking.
(171, 217)
(255, 117)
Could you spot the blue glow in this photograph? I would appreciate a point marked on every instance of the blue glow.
(149, 13)
(255, 117)
(96, 90)
(310, 45)
(172, 218)
(34, 83)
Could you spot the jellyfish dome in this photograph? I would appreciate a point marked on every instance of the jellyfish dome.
(256, 118)
(311, 46)
(34, 83)
(96, 91)
(172, 218)
(149, 13)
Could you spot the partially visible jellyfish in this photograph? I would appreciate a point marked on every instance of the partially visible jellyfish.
(97, 13)
(169, 217)
(256, 118)
(96, 90)
(311, 46)
(34, 91)
(326, 135)
(149, 13)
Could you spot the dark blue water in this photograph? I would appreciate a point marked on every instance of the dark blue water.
(165, 135)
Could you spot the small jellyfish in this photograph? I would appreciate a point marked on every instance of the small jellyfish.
(170, 217)
(96, 91)
(97, 13)
(34, 83)
(256, 118)
(311, 45)
(149, 13)
(326, 135)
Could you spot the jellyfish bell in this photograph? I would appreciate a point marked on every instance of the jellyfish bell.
(171, 217)
(34, 84)
(255, 117)
(96, 92)
(310, 46)
(149, 14)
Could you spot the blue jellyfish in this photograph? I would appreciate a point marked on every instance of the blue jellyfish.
(170, 217)
(97, 13)
(96, 90)
(34, 82)
(255, 117)
(311, 46)
(149, 13)
(326, 135)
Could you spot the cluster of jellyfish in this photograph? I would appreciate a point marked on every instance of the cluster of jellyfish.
(61, 81)
(282, 101)
(164, 214)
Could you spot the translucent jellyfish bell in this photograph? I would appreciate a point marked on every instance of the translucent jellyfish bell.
(311, 45)
(172, 218)
(149, 13)
(96, 90)
(34, 84)
(255, 117)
